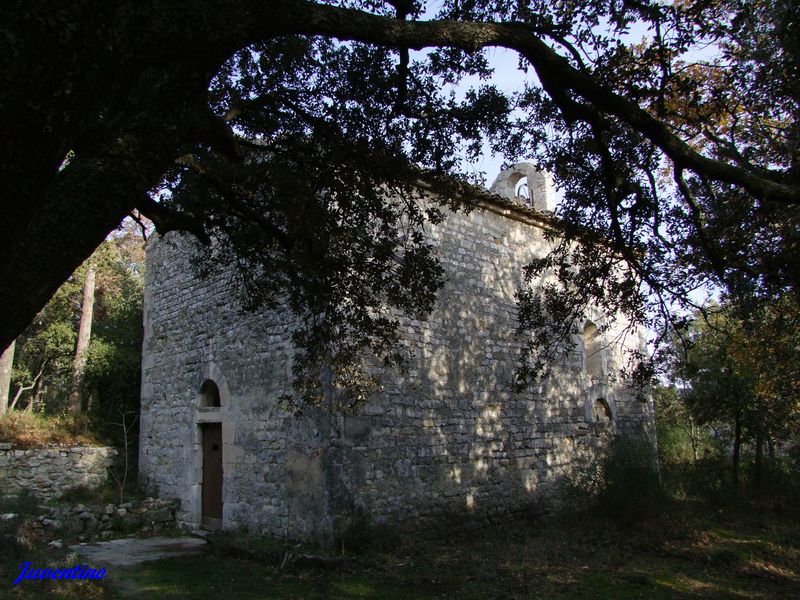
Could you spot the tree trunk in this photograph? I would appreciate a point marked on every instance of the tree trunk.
(758, 474)
(6, 363)
(100, 83)
(84, 334)
(737, 446)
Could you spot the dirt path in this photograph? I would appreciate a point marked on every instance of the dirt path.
(123, 555)
(128, 552)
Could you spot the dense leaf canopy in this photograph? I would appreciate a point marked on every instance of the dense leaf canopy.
(294, 137)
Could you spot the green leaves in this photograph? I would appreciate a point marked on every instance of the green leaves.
(738, 363)
(112, 369)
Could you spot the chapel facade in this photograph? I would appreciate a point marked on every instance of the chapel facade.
(447, 441)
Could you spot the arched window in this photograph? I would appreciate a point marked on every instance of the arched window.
(521, 191)
(592, 351)
(601, 411)
(209, 395)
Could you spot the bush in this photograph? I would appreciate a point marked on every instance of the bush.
(632, 482)
(24, 503)
(621, 483)
(708, 479)
(10, 548)
(781, 482)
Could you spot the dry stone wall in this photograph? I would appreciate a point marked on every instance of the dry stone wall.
(446, 441)
(49, 472)
(107, 521)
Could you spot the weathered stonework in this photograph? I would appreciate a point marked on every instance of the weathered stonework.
(447, 438)
(106, 521)
(539, 186)
(49, 472)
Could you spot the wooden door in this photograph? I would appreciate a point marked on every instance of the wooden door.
(212, 475)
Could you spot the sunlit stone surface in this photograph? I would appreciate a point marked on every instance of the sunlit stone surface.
(447, 443)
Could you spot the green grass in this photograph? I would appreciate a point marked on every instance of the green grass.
(688, 551)
(208, 577)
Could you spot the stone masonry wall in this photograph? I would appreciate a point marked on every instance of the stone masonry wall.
(448, 439)
(194, 332)
(107, 521)
(49, 472)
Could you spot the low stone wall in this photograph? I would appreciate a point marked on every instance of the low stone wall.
(49, 472)
(108, 521)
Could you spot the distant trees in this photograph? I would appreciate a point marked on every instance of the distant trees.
(680, 437)
(740, 376)
(720, 389)
(58, 365)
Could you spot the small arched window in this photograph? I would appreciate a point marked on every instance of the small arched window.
(209, 395)
(521, 191)
(592, 351)
(601, 411)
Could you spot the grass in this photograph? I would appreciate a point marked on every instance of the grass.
(679, 547)
(107, 493)
(627, 539)
(688, 551)
(32, 430)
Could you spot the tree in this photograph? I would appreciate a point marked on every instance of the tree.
(6, 364)
(720, 390)
(46, 351)
(82, 343)
(103, 103)
(111, 384)
(679, 436)
(771, 351)
(741, 375)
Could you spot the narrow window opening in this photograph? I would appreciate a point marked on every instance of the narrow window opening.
(209, 395)
(601, 411)
(592, 351)
(521, 191)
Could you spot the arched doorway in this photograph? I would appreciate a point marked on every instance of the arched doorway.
(211, 445)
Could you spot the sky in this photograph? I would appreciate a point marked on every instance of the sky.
(508, 78)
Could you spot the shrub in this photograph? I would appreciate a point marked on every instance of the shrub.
(622, 482)
(24, 503)
(632, 487)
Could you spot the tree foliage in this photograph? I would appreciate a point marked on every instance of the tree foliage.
(293, 136)
(45, 350)
(740, 376)
(681, 439)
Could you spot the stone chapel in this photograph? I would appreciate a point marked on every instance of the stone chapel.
(448, 441)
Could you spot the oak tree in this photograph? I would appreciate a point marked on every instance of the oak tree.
(294, 136)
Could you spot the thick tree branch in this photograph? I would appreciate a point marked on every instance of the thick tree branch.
(130, 113)
(166, 219)
(237, 204)
(348, 24)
